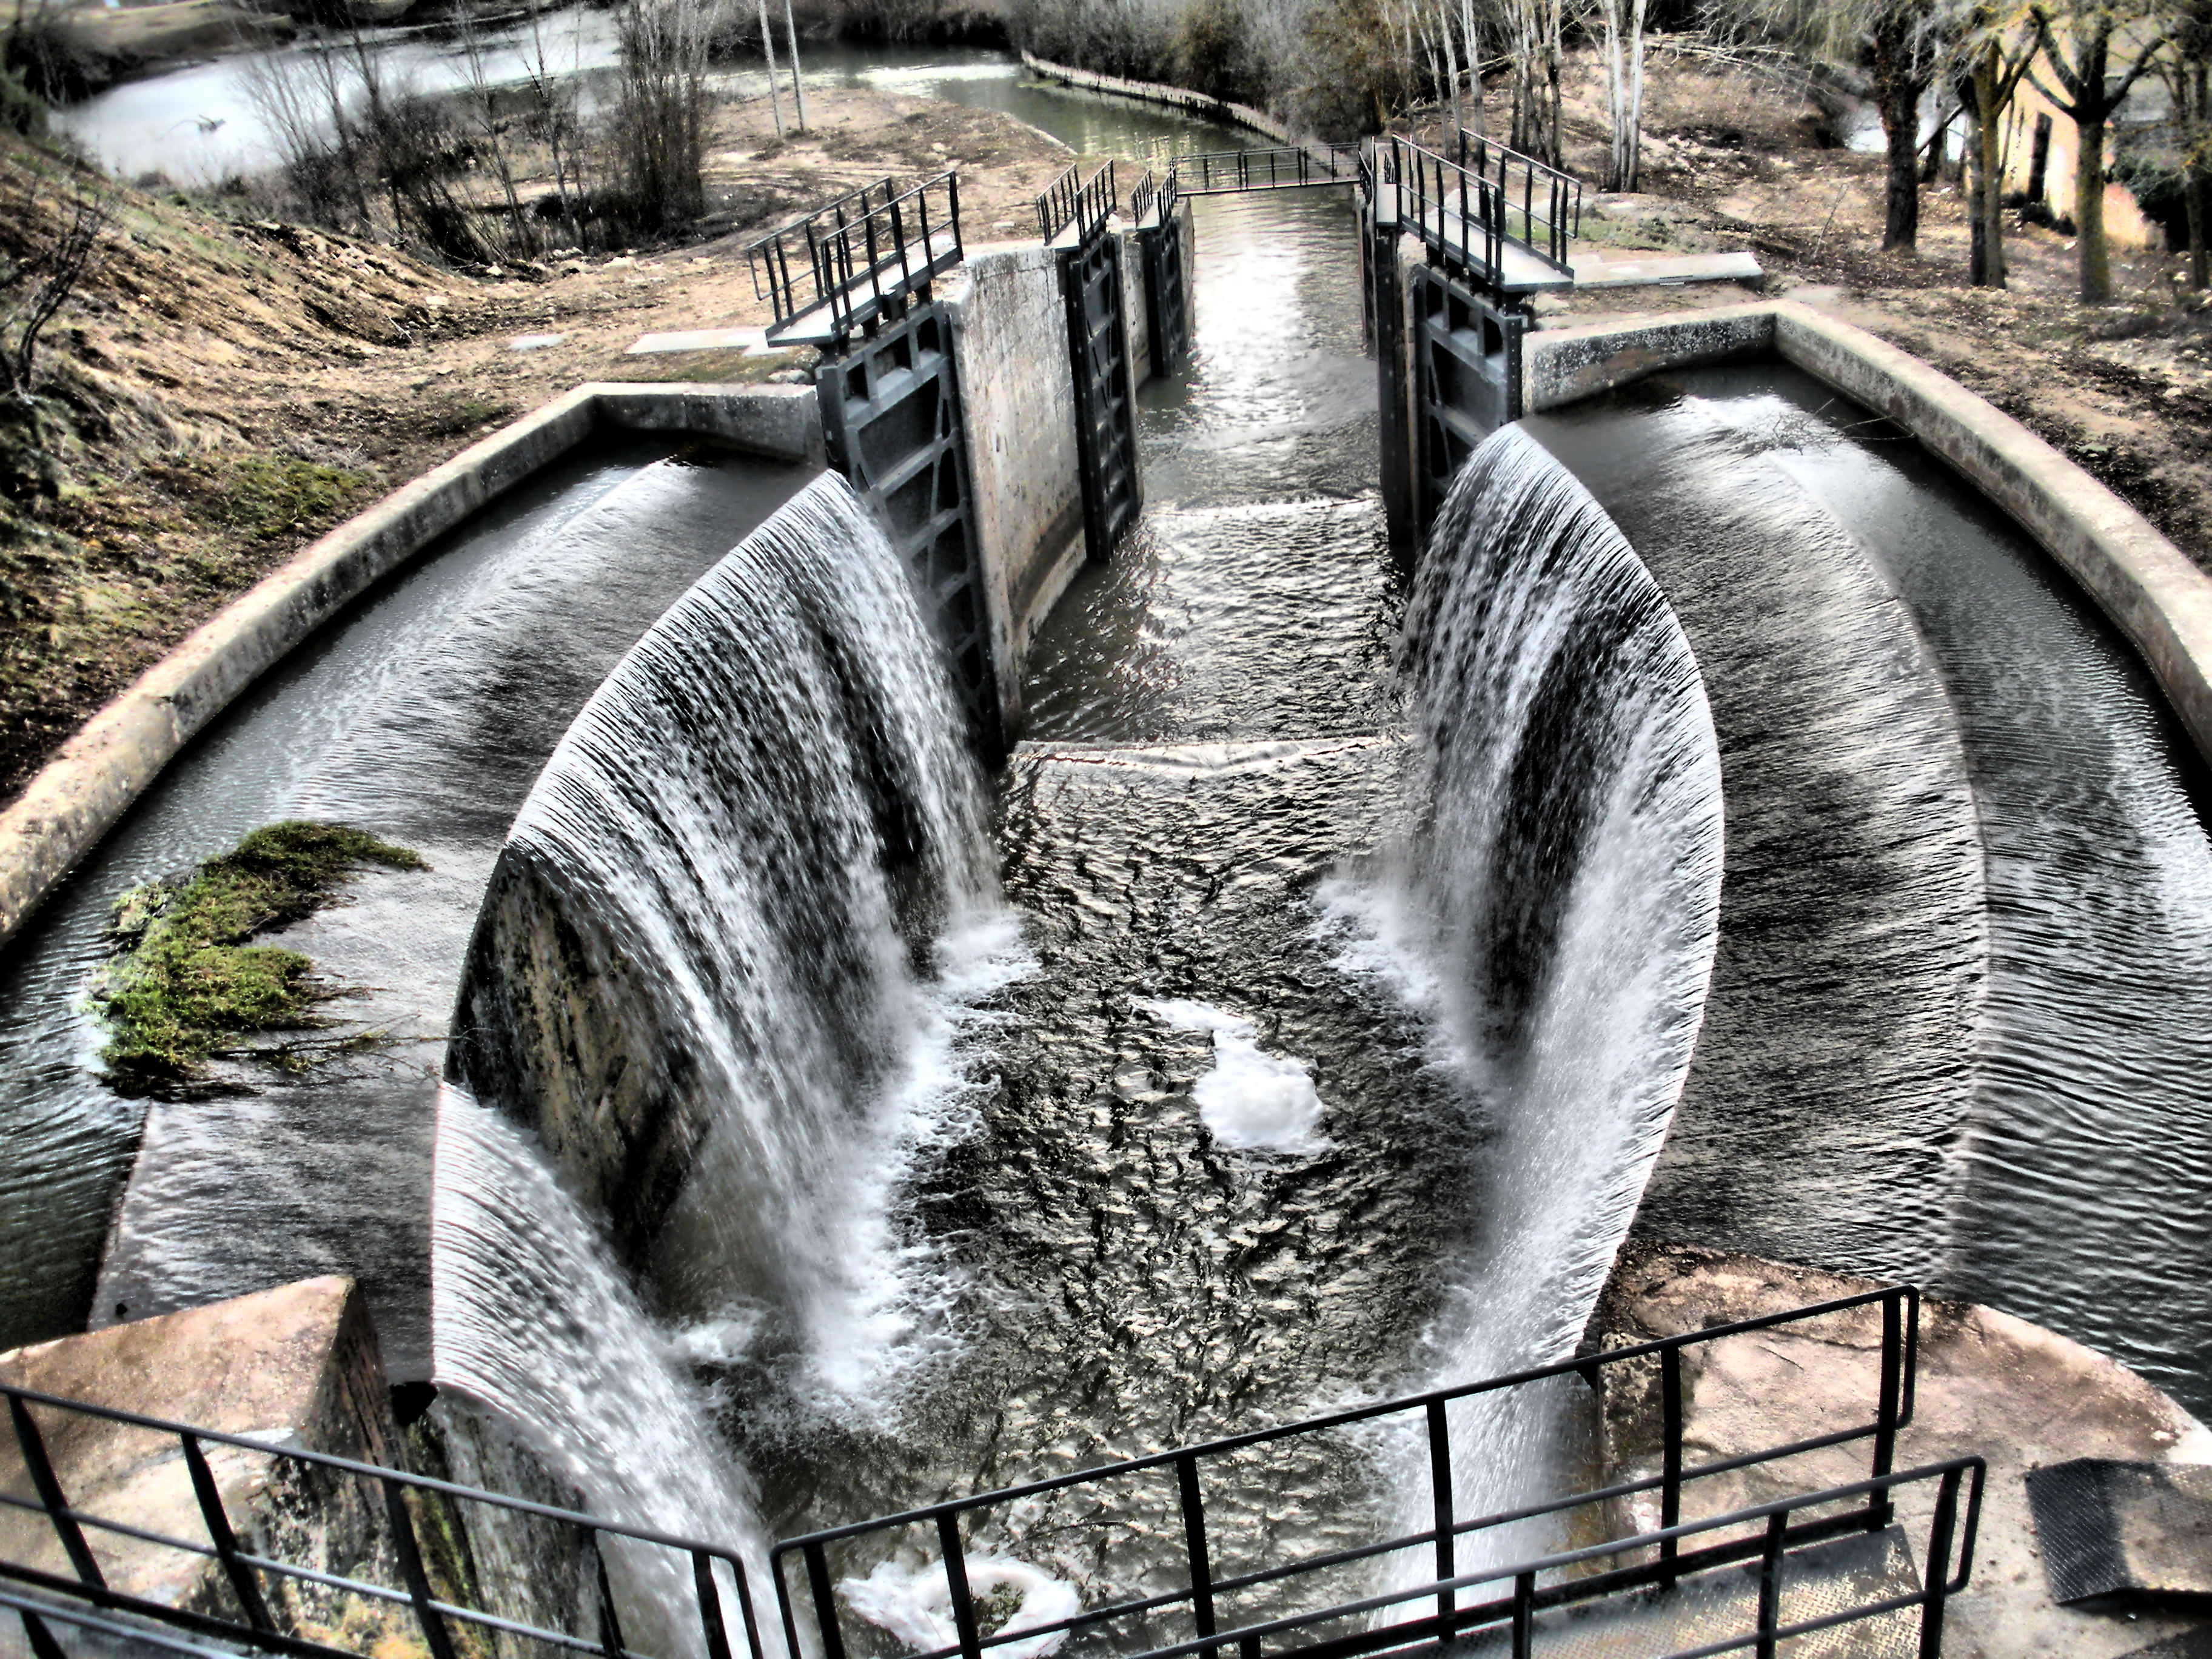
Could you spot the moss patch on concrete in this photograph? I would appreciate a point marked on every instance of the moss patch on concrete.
(187, 985)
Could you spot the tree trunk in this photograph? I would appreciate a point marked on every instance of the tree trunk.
(1897, 95)
(1986, 202)
(2196, 189)
(2089, 212)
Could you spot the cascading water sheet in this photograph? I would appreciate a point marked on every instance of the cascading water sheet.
(721, 977)
(1553, 920)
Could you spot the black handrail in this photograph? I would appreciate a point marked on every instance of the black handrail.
(248, 1572)
(1546, 196)
(833, 271)
(1073, 203)
(1893, 1406)
(1280, 166)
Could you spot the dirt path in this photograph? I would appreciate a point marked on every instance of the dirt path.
(232, 389)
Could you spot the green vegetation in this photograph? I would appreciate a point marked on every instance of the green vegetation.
(186, 983)
(267, 498)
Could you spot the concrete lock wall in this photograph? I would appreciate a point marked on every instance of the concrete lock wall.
(1017, 389)
(1009, 338)
(86, 787)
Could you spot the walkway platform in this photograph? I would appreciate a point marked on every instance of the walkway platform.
(1823, 1580)
(1664, 269)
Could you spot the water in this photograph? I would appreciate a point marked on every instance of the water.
(422, 713)
(206, 121)
(2033, 1139)
(1553, 920)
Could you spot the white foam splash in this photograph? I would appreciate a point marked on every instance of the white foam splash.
(916, 1603)
(1252, 1101)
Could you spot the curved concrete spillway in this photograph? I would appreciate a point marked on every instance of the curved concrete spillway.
(1848, 985)
(1996, 1061)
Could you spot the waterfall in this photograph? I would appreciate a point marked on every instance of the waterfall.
(715, 1001)
(535, 1323)
(1554, 920)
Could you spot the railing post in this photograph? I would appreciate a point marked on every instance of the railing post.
(43, 1480)
(43, 1645)
(711, 1627)
(242, 1582)
(1670, 1470)
(956, 1581)
(1885, 1428)
(611, 1635)
(1769, 1582)
(1440, 1497)
(1938, 1581)
(825, 1602)
(434, 1634)
(1194, 1532)
(1524, 1616)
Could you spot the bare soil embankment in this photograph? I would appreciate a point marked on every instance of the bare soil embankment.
(1738, 160)
(224, 390)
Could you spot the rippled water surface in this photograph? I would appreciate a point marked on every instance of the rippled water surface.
(2036, 1138)
(423, 714)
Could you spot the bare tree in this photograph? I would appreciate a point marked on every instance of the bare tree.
(36, 284)
(2189, 78)
(1623, 91)
(2078, 45)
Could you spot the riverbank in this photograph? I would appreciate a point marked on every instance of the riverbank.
(228, 390)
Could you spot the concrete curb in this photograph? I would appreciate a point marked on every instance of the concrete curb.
(92, 782)
(2144, 583)
(1158, 92)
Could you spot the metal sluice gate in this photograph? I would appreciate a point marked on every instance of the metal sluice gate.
(1742, 1581)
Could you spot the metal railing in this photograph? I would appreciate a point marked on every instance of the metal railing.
(1073, 203)
(1283, 166)
(1949, 1562)
(1891, 1411)
(834, 270)
(1456, 213)
(1468, 215)
(251, 1577)
(1546, 203)
(1153, 200)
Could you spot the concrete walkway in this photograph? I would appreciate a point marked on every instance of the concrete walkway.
(1990, 1385)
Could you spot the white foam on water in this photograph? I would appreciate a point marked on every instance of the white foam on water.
(1252, 1101)
(914, 1603)
(1552, 927)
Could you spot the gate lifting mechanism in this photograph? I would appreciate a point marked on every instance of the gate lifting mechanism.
(853, 279)
(1745, 1581)
(1072, 217)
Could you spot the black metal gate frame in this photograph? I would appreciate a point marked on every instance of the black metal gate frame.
(894, 424)
(1073, 215)
(1155, 208)
(1444, 314)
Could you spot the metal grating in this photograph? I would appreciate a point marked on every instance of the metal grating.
(2108, 1528)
